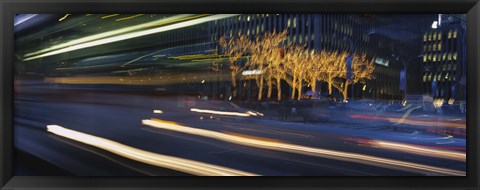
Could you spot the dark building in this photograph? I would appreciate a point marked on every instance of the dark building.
(444, 58)
(385, 38)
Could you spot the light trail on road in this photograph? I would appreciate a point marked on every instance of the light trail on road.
(299, 149)
(170, 162)
(246, 114)
(411, 148)
(415, 149)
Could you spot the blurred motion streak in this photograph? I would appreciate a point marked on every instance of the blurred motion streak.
(131, 35)
(415, 149)
(246, 114)
(412, 121)
(170, 162)
(147, 80)
(292, 148)
(108, 34)
(431, 151)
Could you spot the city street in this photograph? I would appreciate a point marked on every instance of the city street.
(85, 131)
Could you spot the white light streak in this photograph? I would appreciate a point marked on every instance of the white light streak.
(107, 34)
(247, 114)
(170, 162)
(22, 20)
(131, 35)
(299, 149)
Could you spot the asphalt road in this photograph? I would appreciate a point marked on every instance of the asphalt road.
(233, 142)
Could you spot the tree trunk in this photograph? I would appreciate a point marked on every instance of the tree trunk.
(294, 85)
(279, 89)
(345, 90)
(234, 82)
(313, 84)
(330, 89)
(260, 89)
(270, 87)
(300, 86)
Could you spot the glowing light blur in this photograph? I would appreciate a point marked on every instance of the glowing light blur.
(174, 163)
(416, 149)
(131, 35)
(21, 20)
(431, 151)
(292, 148)
(246, 114)
(157, 111)
(412, 121)
(108, 34)
(63, 18)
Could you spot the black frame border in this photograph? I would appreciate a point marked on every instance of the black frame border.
(10, 7)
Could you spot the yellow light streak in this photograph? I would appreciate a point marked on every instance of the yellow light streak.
(130, 17)
(415, 149)
(407, 113)
(147, 80)
(108, 16)
(132, 35)
(299, 149)
(182, 19)
(63, 18)
(108, 34)
(170, 162)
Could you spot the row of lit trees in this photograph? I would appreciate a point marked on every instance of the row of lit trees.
(293, 64)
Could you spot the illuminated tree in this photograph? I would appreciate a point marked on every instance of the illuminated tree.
(362, 69)
(296, 59)
(334, 68)
(235, 48)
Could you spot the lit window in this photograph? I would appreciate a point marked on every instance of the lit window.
(455, 34)
(295, 22)
(449, 34)
(425, 37)
(439, 77)
(455, 56)
(288, 22)
(300, 39)
(440, 46)
(430, 37)
(450, 56)
(444, 56)
(424, 47)
(435, 47)
(434, 58)
(248, 18)
(425, 77)
(429, 57)
(435, 36)
(424, 58)
(430, 77)
(440, 35)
